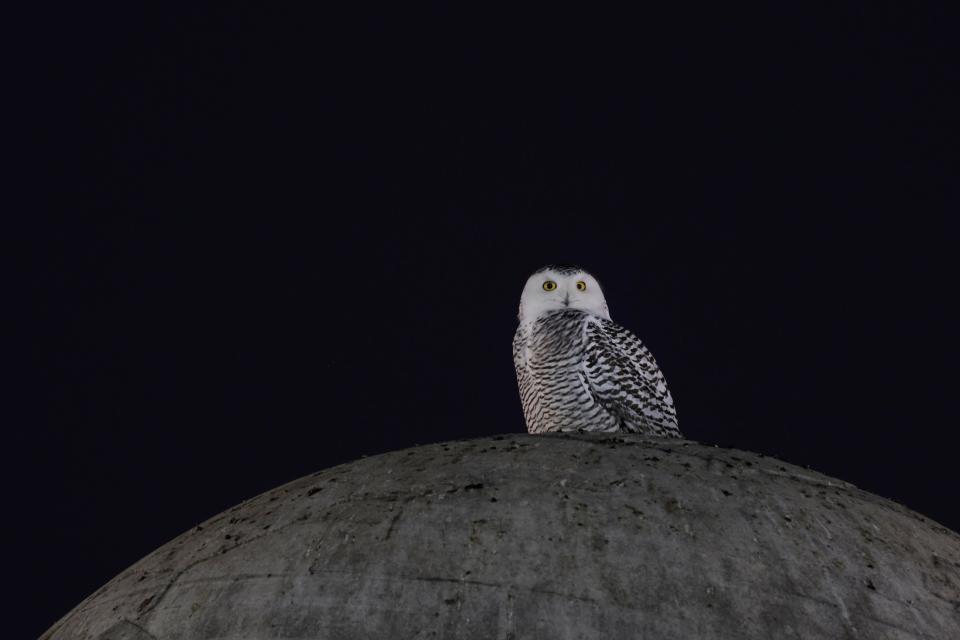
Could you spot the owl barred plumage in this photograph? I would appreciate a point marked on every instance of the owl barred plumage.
(579, 370)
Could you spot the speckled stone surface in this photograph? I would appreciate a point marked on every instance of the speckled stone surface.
(560, 536)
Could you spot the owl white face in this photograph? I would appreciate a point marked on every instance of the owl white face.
(561, 288)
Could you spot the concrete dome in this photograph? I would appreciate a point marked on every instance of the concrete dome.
(561, 536)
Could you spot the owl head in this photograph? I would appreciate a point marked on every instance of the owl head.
(561, 287)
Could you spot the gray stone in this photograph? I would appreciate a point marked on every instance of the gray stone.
(560, 536)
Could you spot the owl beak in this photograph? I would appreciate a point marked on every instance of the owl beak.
(566, 301)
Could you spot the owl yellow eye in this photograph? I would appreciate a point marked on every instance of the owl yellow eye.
(549, 285)
(581, 285)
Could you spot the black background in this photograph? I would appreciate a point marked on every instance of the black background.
(275, 239)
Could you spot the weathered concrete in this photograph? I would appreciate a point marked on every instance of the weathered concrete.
(563, 536)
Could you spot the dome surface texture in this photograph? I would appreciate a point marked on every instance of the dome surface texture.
(557, 536)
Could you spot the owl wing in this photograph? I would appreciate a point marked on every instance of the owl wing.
(528, 396)
(624, 378)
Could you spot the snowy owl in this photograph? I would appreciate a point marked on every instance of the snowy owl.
(577, 369)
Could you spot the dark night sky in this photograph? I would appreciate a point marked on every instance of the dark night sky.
(270, 240)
